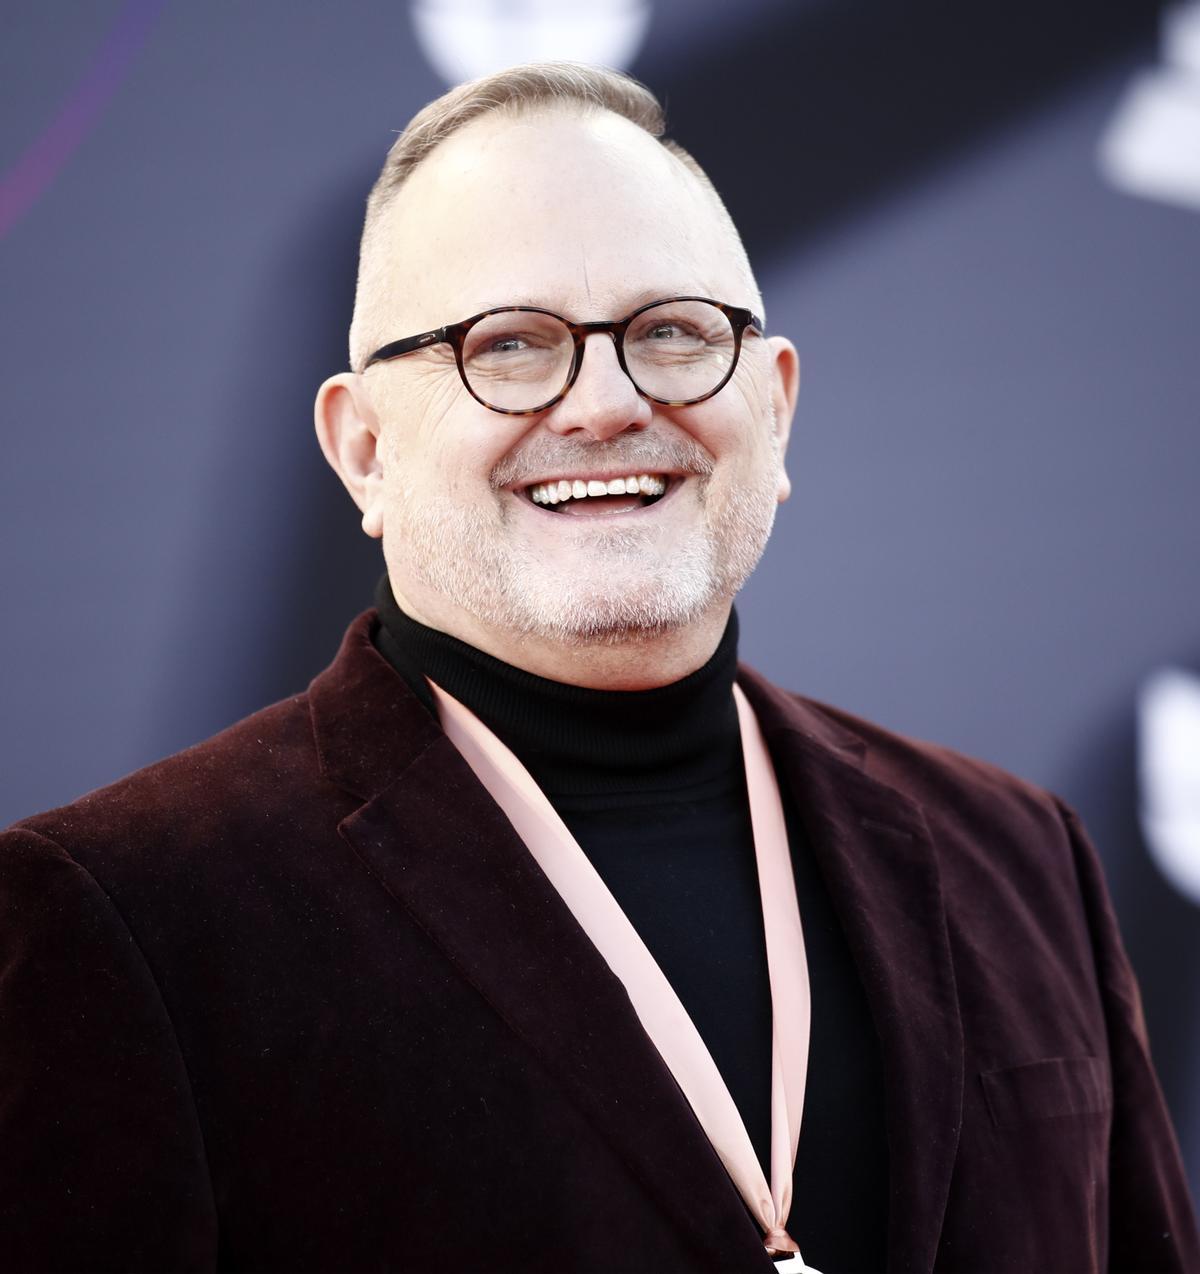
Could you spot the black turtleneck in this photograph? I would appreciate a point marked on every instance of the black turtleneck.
(652, 786)
(576, 741)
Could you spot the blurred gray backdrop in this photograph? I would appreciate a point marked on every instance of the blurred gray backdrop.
(996, 456)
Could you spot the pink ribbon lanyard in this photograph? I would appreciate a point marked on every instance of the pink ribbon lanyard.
(659, 1009)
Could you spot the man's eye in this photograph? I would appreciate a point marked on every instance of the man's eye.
(670, 332)
(506, 344)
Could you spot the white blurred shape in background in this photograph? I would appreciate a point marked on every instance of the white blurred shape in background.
(463, 39)
(1152, 145)
(1169, 775)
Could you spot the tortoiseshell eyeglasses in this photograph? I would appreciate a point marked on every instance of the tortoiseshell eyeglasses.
(519, 359)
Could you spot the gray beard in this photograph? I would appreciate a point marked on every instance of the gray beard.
(629, 590)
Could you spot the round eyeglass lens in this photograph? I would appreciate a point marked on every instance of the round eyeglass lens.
(518, 359)
(680, 350)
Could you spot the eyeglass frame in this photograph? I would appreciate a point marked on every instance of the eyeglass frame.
(454, 334)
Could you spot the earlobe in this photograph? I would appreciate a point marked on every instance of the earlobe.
(348, 432)
(785, 387)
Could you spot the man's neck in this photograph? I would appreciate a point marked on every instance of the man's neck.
(628, 661)
(575, 740)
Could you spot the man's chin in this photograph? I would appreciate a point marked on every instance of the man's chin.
(613, 630)
(618, 608)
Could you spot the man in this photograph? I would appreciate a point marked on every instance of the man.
(495, 949)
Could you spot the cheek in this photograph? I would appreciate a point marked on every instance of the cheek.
(445, 445)
(734, 428)
(755, 420)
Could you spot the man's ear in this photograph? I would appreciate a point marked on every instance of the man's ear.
(348, 432)
(785, 386)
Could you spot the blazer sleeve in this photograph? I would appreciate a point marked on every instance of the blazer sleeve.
(102, 1163)
(1151, 1223)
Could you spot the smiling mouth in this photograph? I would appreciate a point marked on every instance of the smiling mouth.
(593, 495)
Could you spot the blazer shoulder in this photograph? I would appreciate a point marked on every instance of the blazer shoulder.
(923, 765)
(265, 787)
(252, 765)
(948, 784)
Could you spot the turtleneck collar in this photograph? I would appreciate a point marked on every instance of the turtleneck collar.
(575, 740)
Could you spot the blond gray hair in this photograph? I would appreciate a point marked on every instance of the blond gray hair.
(514, 91)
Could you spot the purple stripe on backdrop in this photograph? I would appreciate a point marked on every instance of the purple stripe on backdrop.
(47, 155)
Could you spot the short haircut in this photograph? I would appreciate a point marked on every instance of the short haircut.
(513, 92)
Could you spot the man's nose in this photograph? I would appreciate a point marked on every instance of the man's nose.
(603, 401)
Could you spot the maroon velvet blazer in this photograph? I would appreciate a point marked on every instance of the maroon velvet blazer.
(299, 999)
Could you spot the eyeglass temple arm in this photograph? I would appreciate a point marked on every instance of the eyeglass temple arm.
(408, 345)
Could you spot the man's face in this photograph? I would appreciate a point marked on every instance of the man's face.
(589, 217)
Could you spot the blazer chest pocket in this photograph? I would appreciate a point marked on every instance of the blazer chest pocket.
(1047, 1089)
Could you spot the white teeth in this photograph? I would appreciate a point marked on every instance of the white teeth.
(567, 488)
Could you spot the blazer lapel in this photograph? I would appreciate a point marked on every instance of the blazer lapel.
(874, 850)
(442, 848)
